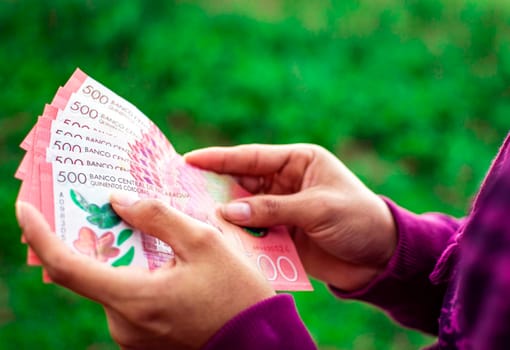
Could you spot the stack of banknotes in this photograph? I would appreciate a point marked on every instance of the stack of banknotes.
(89, 143)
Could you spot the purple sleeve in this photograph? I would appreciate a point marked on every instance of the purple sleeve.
(404, 289)
(272, 324)
(484, 310)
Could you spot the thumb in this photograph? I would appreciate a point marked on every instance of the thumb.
(156, 218)
(270, 210)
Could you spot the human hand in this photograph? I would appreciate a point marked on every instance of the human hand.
(344, 233)
(178, 306)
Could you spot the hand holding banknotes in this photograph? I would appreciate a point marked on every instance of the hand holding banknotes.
(178, 306)
(344, 233)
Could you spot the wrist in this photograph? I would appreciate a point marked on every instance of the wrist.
(385, 229)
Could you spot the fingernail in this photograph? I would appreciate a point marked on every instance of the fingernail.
(124, 199)
(238, 211)
(20, 211)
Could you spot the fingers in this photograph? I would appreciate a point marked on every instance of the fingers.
(158, 219)
(270, 210)
(81, 274)
(251, 184)
(330, 268)
(254, 160)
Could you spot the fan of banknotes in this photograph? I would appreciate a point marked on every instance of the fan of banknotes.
(88, 143)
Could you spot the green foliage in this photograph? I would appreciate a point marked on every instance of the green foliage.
(412, 95)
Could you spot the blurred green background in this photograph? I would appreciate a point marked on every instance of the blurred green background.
(412, 95)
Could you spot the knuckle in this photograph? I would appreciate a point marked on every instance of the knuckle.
(140, 311)
(330, 203)
(155, 213)
(59, 269)
(255, 160)
(271, 206)
(316, 151)
(145, 315)
(204, 237)
(308, 152)
(149, 319)
(309, 148)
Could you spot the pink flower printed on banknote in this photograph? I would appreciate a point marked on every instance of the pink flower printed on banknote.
(100, 248)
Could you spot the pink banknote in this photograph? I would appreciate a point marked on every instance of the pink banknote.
(90, 142)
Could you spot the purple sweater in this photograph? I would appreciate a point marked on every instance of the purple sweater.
(448, 277)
